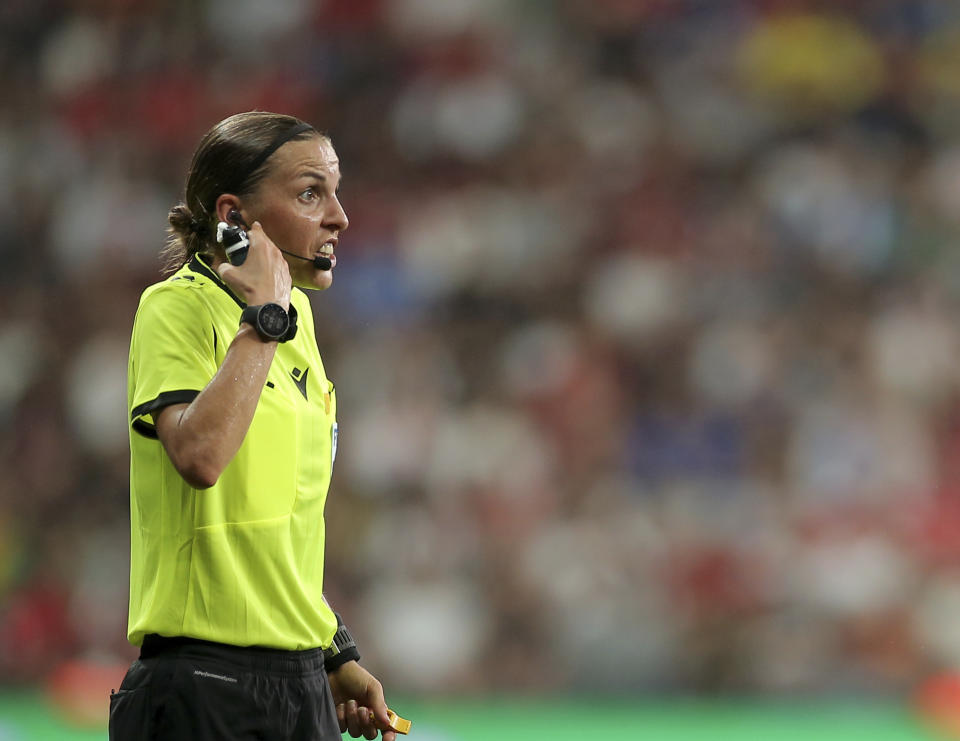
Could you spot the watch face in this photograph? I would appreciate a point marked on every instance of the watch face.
(273, 320)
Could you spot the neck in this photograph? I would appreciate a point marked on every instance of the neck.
(212, 261)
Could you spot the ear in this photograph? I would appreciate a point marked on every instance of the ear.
(226, 203)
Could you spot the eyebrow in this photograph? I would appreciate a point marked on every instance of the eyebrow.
(312, 174)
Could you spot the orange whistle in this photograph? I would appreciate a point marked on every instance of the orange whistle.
(398, 724)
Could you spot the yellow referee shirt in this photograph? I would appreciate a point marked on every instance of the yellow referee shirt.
(241, 562)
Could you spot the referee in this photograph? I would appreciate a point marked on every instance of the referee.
(233, 437)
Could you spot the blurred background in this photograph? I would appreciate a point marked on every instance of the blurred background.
(642, 333)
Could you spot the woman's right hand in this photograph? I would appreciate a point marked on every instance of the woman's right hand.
(264, 277)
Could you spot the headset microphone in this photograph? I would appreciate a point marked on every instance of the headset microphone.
(319, 262)
(322, 263)
(236, 244)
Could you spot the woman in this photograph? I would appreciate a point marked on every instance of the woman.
(233, 438)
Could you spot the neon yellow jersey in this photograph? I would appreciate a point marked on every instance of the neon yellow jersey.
(241, 562)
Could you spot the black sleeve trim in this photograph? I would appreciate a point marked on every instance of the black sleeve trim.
(147, 430)
(183, 396)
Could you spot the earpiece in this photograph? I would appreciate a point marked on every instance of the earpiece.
(234, 238)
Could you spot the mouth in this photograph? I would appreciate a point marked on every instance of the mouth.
(326, 250)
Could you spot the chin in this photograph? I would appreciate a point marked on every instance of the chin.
(317, 280)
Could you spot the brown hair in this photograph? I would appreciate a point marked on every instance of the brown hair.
(233, 158)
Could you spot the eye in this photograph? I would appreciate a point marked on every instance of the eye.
(309, 195)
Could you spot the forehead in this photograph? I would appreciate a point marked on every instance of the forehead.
(315, 154)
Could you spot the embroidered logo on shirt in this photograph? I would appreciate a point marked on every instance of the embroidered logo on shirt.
(300, 378)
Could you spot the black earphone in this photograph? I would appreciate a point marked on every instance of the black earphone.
(234, 238)
(236, 243)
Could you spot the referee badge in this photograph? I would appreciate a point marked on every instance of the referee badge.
(334, 432)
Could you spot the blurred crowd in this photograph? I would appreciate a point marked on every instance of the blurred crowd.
(642, 330)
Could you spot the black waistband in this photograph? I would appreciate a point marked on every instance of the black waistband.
(253, 658)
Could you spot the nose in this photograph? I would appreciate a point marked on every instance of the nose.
(337, 217)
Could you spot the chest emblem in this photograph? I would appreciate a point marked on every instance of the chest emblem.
(300, 378)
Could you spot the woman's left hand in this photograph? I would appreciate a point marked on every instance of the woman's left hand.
(361, 708)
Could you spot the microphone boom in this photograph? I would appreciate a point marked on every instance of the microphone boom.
(319, 262)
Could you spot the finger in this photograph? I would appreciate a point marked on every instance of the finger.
(262, 240)
(378, 705)
(395, 725)
(380, 721)
(353, 720)
(342, 717)
(367, 723)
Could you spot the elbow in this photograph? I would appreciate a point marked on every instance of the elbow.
(197, 457)
(198, 474)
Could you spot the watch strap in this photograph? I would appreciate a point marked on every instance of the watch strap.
(249, 316)
(292, 327)
(341, 650)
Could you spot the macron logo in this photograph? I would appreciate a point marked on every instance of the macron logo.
(300, 378)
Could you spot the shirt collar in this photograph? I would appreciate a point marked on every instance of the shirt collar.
(197, 265)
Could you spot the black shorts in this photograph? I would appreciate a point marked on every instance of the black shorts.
(187, 689)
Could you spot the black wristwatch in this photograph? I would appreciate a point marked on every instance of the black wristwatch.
(341, 650)
(271, 321)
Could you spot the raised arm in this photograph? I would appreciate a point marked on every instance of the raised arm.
(202, 437)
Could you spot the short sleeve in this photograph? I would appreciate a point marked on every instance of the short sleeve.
(172, 352)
